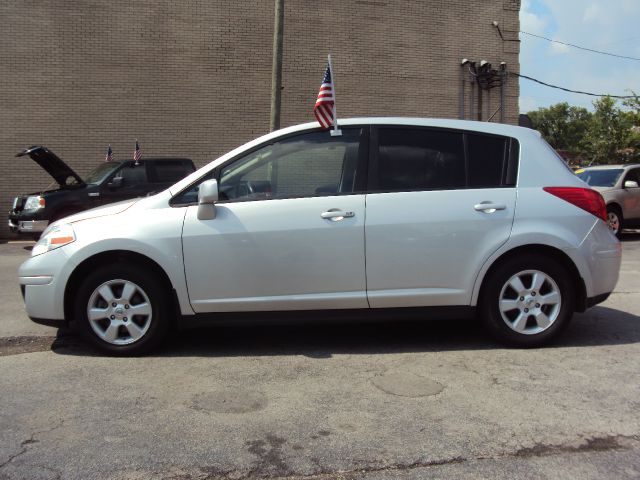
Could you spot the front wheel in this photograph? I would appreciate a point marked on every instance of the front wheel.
(122, 310)
(527, 300)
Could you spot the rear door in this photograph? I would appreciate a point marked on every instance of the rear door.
(441, 203)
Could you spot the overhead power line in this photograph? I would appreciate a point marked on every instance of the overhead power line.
(572, 91)
(582, 48)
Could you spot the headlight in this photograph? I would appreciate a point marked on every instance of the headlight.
(34, 203)
(54, 237)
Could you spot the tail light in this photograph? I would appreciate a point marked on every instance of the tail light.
(584, 198)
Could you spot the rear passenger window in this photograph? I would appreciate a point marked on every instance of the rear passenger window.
(419, 159)
(487, 155)
(412, 158)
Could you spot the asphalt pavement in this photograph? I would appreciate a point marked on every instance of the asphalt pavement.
(432, 399)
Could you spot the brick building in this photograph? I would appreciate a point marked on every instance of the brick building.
(192, 78)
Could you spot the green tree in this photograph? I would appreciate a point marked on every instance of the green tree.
(563, 126)
(633, 110)
(609, 132)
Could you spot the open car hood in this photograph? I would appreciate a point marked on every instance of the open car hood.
(60, 171)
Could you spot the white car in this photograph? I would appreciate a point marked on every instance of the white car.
(395, 216)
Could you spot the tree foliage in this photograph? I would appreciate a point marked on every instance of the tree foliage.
(609, 134)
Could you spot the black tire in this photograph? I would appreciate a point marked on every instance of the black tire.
(495, 289)
(614, 217)
(117, 276)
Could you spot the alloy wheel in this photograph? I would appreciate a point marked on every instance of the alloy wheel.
(530, 302)
(119, 312)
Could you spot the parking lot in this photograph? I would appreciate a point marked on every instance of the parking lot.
(376, 401)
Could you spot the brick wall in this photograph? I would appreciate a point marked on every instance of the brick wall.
(192, 78)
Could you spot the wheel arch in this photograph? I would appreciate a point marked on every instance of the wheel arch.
(108, 258)
(616, 205)
(547, 251)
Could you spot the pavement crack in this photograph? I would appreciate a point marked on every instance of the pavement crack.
(594, 444)
(30, 441)
(13, 457)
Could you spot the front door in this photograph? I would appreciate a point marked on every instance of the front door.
(631, 195)
(288, 232)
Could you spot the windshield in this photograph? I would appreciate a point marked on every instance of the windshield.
(601, 178)
(101, 172)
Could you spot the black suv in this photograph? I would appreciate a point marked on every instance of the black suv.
(109, 182)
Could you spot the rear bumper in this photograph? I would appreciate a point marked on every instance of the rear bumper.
(603, 253)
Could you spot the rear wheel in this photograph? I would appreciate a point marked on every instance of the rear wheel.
(122, 310)
(527, 300)
(614, 220)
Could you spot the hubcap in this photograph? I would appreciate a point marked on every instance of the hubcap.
(119, 312)
(530, 302)
(614, 221)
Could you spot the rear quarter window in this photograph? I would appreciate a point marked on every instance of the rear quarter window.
(487, 160)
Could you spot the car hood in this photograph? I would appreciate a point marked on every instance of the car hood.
(53, 165)
(111, 209)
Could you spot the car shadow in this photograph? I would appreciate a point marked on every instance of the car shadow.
(597, 327)
(630, 236)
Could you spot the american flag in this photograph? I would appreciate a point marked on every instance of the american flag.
(109, 155)
(323, 109)
(137, 154)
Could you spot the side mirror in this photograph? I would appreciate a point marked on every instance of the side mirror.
(207, 197)
(115, 182)
(630, 184)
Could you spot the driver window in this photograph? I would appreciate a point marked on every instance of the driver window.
(306, 165)
(633, 176)
(133, 175)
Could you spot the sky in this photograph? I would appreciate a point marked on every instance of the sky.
(609, 25)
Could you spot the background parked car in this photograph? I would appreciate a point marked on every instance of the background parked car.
(619, 185)
(109, 182)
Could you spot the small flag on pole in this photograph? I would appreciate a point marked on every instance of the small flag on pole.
(324, 110)
(137, 154)
(109, 155)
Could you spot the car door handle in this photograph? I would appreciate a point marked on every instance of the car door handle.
(489, 207)
(335, 215)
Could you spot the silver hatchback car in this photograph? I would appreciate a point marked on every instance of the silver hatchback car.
(620, 187)
(395, 217)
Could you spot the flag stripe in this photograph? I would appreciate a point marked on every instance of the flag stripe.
(323, 109)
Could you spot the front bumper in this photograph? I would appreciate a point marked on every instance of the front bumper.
(30, 226)
(40, 300)
(42, 280)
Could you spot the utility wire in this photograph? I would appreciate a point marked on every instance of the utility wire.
(572, 91)
(582, 48)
